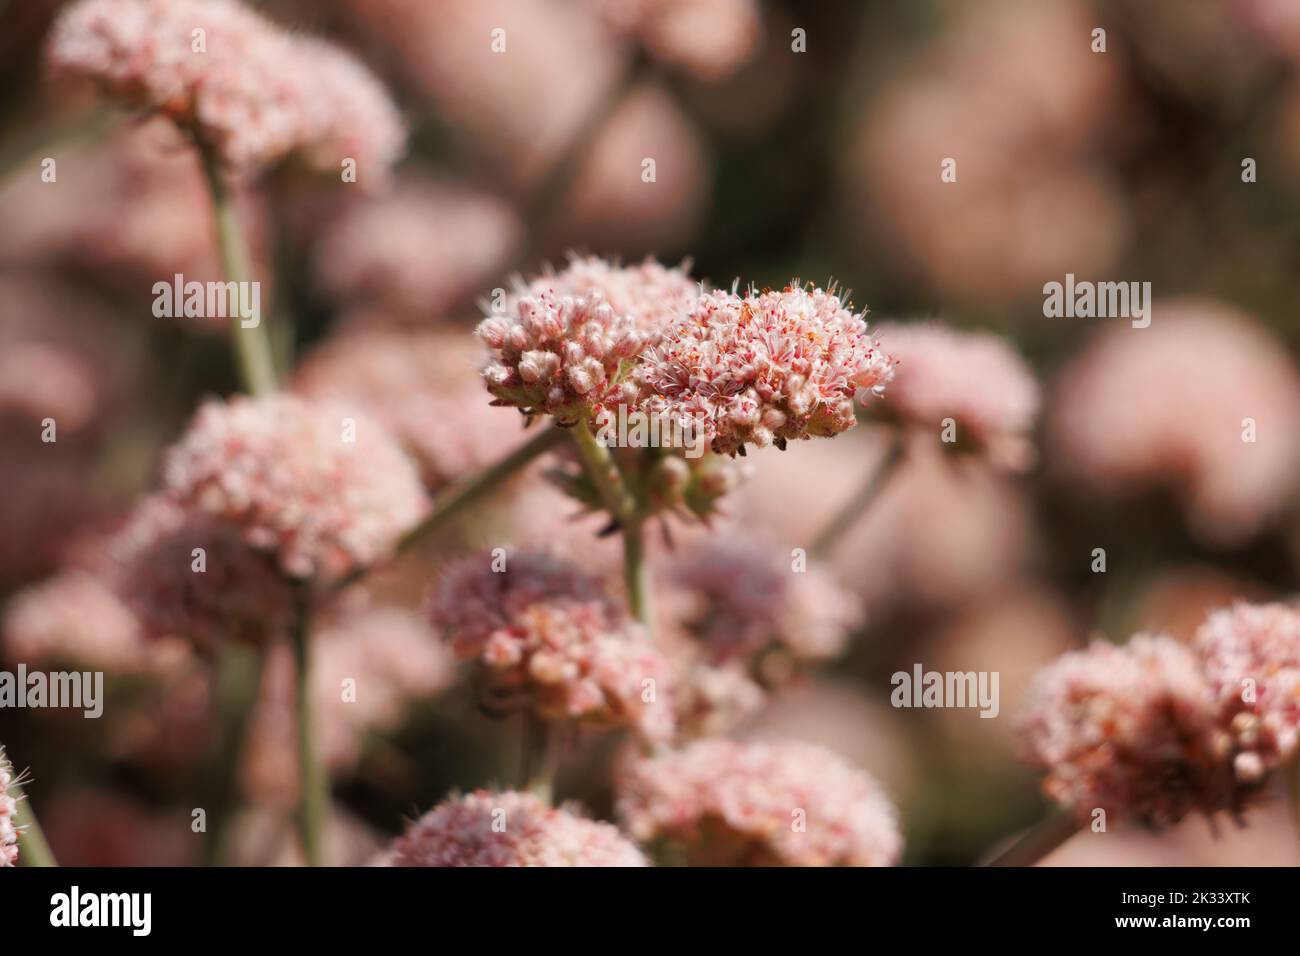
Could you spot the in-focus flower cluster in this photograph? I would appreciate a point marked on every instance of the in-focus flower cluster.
(561, 355)
(1155, 729)
(973, 378)
(543, 628)
(485, 828)
(247, 89)
(790, 804)
(8, 809)
(764, 369)
(320, 488)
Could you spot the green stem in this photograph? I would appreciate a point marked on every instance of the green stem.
(621, 504)
(33, 848)
(465, 493)
(252, 345)
(844, 519)
(1031, 846)
(313, 785)
(238, 680)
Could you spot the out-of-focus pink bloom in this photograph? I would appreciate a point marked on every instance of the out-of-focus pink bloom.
(244, 87)
(937, 533)
(1251, 655)
(129, 210)
(8, 809)
(190, 575)
(749, 597)
(1132, 731)
(419, 250)
(484, 828)
(1008, 87)
(39, 381)
(233, 83)
(350, 115)
(1133, 412)
(320, 487)
(710, 39)
(76, 618)
(523, 95)
(766, 369)
(542, 627)
(788, 804)
(973, 378)
(423, 387)
(713, 699)
(611, 204)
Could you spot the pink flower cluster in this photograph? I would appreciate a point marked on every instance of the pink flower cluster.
(320, 488)
(791, 804)
(1129, 730)
(542, 627)
(937, 367)
(1132, 413)
(763, 369)
(1156, 729)
(74, 618)
(8, 809)
(485, 828)
(188, 574)
(560, 355)
(246, 88)
(1251, 656)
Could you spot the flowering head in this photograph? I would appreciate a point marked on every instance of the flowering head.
(764, 369)
(787, 804)
(1130, 730)
(543, 630)
(318, 487)
(934, 390)
(484, 828)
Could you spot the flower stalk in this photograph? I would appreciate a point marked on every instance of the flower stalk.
(622, 506)
(253, 353)
(313, 797)
(855, 507)
(34, 849)
(238, 680)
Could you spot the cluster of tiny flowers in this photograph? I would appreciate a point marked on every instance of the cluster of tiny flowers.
(653, 294)
(1130, 730)
(544, 628)
(510, 829)
(763, 369)
(938, 365)
(74, 617)
(1251, 656)
(560, 355)
(247, 89)
(8, 809)
(748, 599)
(319, 487)
(190, 575)
(791, 804)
